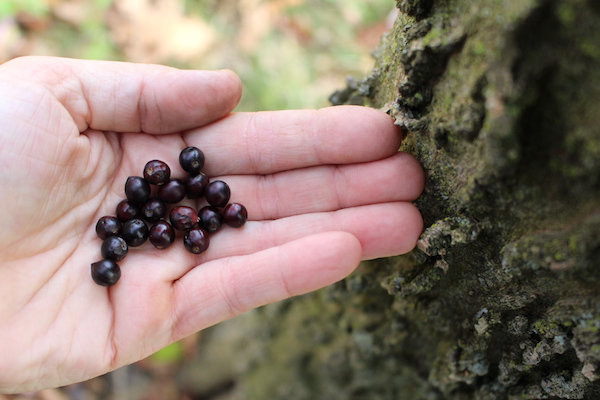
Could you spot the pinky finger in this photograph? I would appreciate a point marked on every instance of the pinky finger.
(224, 288)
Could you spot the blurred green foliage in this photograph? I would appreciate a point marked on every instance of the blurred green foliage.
(305, 53)
(88, 40)
(287, 71)
(34, 7)
(171, 354)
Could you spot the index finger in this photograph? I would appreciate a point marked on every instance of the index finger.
(269, 142)
(128, 97)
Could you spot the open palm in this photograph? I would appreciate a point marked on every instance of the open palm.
(324, 189)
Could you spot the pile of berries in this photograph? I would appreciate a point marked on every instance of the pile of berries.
(129, 227)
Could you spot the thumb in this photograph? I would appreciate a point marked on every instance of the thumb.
(126, 97)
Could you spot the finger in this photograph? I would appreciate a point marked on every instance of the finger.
(268, 142)
(383, 230)
(126, 97)
(328, 188)
(222, 289)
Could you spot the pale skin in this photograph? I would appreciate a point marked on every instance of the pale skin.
(324, 190)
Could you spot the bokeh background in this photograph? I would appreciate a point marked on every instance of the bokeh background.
(288, 53)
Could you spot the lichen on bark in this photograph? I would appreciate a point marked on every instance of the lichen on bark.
(500, 102)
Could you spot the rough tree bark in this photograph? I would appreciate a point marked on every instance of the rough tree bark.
(500, 101)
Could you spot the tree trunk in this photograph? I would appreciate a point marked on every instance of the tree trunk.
(500, 101)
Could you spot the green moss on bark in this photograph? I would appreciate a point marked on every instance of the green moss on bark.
(499, 101)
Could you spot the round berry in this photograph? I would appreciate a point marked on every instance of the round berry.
(162, 235)
(217, 193)
(127, 211)
(191, 159)
(137, 190)
(173, 191)
(108, 226)
(106, 272)
(154, 209)
(195, 185)
(114, 248)
(135, 232)
(196, 240)
(157, 172)
(183, 217)
(210, 218)
(235, 215)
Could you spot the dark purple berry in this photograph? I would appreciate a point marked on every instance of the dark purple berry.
(217, 193)
(191, 159)
(162, 235)
(235, 215)
(183, 217)
(106, 272)
(137, 190)
(135, 232)
(154, 209)
(196, 240)
(108, 226)
(195, 185)
(114, 248)
(210, 218)
(127, 211)
(157, 172)
(173, 191)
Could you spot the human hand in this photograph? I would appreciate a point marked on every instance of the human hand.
(324, 189)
